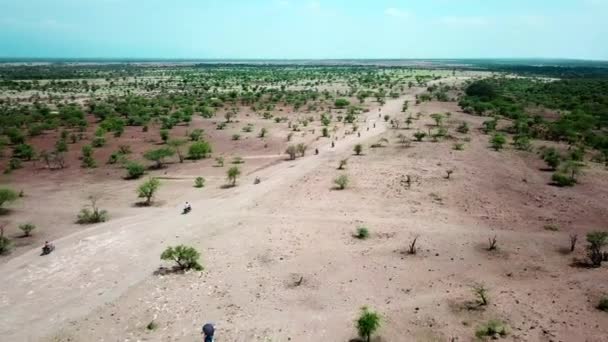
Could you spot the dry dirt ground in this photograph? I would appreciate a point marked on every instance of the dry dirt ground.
(259, 240)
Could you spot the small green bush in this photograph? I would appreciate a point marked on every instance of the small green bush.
(186, 257)
(493, 328)
(7, 196)
(367, 323)
(135, 170)
(93, 214)
(419, 135)
(497, 141)
(561, 179)
(341, 182)
(27, 228)
(362, 233)
(603, 304)
(199, 150)
(232, 174)
(358, 149)
(199, 182)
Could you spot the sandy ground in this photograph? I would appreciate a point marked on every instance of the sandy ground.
(257, 241)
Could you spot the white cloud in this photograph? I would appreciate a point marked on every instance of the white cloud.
(396, 12)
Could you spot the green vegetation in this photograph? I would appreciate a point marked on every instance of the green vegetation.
(582, 104)
(158, 156)
(27, 228)
(358, 149)
(341, 182)
(134, 170)
(597, 241)
(199, 150)
(492, 329)
(362, 233)
(7, 196)
(232, 174)
(92, 213)
(199, 182)
(147, 190)
(603, 304)
(186, 257)
(367, 324)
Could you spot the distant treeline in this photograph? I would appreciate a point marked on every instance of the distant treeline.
(582, 104)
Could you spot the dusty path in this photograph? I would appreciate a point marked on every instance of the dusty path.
(40, 294)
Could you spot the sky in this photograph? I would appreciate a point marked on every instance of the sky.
(304, 29)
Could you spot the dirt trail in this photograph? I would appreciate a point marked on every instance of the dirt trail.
(40, 294)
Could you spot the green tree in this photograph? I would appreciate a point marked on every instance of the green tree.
(199, 150)
(178, 146)
(358, 149)
(159, 155)
(597, 241)
(7, 196)
(186, 257)
(232, 174)
(367, 323)
(148, 189)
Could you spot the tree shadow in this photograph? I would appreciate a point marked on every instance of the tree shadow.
(161, 271)
(227, 186)
(581, 263)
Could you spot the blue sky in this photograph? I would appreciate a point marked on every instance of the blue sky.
(304, 28)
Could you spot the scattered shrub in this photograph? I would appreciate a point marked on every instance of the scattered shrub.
(93, 214)
(158, 156)
(199, 150)
(199, 182)
(561, 179)
(603, 304)
(134, 170)
(597, 241)
(7, 196)
(341, 182)
(493, 329)
(497, 141)
(232, 174)
(186, 257)
(367, 323)
(342, 164)
(552, 158)
(219, 161)
(362, 233)
(27, 228)
(5, 243)
(292, 151)
(419, 135)
(147, 190)
(492, 243)
(358, 149)
(463, 128)
(482, 294)
(301, 147)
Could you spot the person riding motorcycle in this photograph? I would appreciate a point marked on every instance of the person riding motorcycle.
(187, 207)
